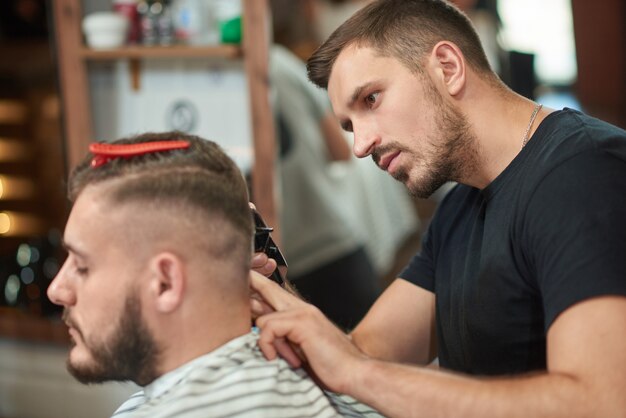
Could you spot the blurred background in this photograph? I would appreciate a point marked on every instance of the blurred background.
(562, 53)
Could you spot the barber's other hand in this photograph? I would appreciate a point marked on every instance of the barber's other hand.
(311, 338)
(263, 265)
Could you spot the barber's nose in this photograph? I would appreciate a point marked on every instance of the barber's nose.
(365, 141)
(60, 291)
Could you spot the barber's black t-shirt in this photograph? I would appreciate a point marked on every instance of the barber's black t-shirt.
(548, 232)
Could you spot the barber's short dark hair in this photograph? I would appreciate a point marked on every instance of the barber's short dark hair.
(201, 177)
(404, 29)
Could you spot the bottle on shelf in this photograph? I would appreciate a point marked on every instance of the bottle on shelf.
(128, 8)
(228, 19)
(147, 19)
(194, 22)
(165, 24)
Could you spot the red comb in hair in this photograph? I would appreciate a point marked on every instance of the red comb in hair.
(103, 152)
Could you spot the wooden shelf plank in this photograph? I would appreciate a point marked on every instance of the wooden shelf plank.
(177, 51)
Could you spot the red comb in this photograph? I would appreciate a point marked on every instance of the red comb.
(103, 152)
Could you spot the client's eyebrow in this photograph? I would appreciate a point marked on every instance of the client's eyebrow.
(70, 248)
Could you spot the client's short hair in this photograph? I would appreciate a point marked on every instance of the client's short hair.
(201, 178)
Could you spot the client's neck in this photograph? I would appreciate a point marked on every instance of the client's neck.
(200, 334)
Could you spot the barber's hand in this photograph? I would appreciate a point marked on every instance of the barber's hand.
(302, 335)
(258, 305)
(261, 263)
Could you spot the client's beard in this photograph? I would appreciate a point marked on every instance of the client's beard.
(129, 354)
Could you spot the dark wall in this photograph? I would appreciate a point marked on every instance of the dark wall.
(600, 33)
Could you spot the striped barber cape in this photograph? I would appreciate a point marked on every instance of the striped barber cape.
(235, 380)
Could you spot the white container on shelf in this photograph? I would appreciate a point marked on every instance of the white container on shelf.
(105, 30)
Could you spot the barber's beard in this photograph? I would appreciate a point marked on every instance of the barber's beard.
(449, 155)
(129, 354)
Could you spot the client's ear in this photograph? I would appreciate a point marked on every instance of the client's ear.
(167, 281)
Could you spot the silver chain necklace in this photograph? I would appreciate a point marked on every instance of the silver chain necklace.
(530, 124)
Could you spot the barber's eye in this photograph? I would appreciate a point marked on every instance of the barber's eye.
(370, 99)
(82, 271)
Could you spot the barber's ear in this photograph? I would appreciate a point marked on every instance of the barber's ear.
(167, 281)
(448, 63)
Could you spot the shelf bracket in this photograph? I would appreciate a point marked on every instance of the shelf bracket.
(135, 73)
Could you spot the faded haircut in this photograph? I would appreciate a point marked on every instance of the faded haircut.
(201, 178)
(404, 29)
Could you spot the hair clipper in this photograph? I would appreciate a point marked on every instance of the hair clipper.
(263, 242)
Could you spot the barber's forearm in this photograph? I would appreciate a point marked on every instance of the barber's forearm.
(400, 326)
(405, 391)
(406, 352)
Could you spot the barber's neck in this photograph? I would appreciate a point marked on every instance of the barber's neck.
(499, 118)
